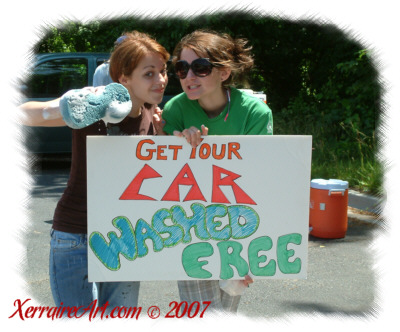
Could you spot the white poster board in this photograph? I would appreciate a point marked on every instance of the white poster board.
(235, 205)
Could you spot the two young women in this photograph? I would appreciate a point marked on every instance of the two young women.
(207, 64)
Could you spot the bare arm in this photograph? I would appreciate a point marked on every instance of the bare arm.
(41, 113)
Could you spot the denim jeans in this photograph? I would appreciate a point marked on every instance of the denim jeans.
(69, 276)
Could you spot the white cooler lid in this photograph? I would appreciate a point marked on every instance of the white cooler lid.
(329, 184)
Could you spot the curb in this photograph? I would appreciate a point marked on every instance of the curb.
(359, 215)
(365, 207)
(366, 202)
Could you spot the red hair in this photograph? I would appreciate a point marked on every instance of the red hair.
(128, 53)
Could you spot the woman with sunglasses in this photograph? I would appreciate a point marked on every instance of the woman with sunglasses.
(139, 64)
(208, 64)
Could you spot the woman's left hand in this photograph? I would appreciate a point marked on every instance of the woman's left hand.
(192, 135)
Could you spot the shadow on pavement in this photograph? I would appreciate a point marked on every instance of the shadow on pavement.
(319, 308)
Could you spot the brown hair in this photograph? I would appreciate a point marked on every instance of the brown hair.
(222, 50)
(129, 50)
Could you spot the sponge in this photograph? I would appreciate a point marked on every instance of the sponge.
(82, 107)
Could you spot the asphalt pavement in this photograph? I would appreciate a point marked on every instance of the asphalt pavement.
(341, 276)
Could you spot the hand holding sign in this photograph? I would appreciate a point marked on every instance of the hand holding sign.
(192, 135)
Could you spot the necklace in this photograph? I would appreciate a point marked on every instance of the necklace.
(228, 94)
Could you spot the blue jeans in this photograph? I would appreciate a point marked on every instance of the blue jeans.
(69, 276)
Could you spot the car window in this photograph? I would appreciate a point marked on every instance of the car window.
(53, 78)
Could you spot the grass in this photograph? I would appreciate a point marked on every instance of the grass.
(363, 175)
(341, 151)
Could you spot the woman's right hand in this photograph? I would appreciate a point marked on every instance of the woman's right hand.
(192, 135)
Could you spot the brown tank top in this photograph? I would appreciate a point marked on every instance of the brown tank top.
(71, 211)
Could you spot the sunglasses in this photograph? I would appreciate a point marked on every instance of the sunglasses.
(201, 67)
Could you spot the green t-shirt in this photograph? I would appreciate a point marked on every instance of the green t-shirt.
(248, 115)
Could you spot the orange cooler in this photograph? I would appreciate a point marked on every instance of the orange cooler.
(328, 208)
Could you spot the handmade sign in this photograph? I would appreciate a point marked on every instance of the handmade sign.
(234, 206)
